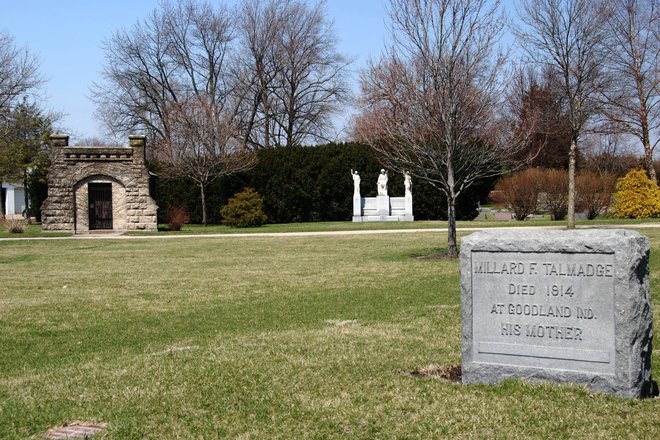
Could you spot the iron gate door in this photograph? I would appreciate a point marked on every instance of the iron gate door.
(100, 206)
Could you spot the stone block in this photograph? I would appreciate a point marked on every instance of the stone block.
(506, 215)
(563, 306)
(357, 205)
(383, 205)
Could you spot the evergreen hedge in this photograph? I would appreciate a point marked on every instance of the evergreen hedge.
(307, 184)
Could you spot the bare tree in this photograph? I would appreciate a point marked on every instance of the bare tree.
(632, 100)
(432, 105)
(565, 36)
(168, 77)
(256, 66)
(19, 73)
(292, 73)
(204, 146)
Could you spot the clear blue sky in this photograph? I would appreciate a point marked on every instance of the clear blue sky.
(66, 35)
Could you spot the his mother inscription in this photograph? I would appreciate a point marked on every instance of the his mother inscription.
(567, 306)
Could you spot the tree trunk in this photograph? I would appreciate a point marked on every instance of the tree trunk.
(648, 158)
(26, 195)
(571, 185)
(202, 194)
(644, 120)
(2, 203)
(452, 248)
(267, 132)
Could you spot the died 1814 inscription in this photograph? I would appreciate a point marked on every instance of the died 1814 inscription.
(567, 306)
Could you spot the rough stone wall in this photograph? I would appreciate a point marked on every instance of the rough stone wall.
(66, 208)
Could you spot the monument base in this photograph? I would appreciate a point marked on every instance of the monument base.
(383, 209)
(382, 218)
(383, 205)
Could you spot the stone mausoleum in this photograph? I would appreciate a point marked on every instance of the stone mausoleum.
(98, 188)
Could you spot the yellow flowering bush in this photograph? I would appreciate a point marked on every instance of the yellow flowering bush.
(636, 196)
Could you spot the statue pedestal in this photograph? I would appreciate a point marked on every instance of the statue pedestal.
(382, 209)
(357, 208)
(357, 205)
(408, 208)
(383, 205)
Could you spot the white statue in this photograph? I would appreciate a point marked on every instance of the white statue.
(407, 183)
(382, 183)
(356, 182)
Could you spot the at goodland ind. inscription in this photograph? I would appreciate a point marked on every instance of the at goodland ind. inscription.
(545, 310)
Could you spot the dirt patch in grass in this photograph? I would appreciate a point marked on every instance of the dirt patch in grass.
(451, 373)
(341, 323)
(75, 430)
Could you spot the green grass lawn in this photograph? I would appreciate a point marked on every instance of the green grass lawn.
(31, 231)
(264, 337)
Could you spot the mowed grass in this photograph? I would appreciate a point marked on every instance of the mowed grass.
(264, 337)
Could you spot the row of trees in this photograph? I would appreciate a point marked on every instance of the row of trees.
(441, 103)
(209, 84)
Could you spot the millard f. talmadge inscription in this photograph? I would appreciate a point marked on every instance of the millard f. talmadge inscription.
(547, 310)
(557, 305)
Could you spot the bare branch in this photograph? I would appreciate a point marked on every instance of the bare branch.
(632, 99)
(566, 37)
(433, 104)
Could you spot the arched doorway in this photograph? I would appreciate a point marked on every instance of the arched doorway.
(100, 206)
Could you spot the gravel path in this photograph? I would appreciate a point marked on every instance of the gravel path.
(120, 236)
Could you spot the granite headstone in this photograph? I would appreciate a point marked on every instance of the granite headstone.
(564, 306)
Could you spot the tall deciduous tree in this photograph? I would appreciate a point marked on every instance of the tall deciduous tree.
(256, 65)
(292, 75)
(566, 37)
(19, 73)
(432, 104)
(19, 76)
(168, 77)
(632, 100)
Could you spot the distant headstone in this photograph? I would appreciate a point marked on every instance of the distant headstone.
(503, 215)
(564, 306)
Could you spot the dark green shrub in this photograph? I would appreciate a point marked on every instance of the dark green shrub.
(244, 210)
